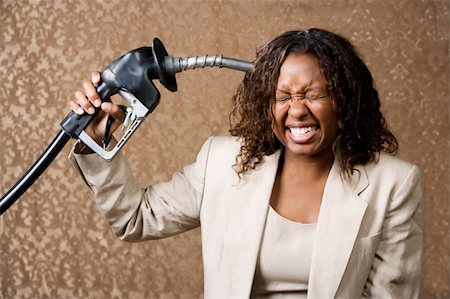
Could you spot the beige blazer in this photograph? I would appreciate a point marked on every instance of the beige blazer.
(368, 241)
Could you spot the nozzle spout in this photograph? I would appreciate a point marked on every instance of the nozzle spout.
(173, 65)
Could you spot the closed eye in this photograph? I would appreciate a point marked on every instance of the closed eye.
(315, 97)
(282, 97)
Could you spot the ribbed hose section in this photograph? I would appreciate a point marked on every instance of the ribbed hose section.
(173, 65)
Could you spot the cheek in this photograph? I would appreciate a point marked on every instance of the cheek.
(279, 111)
(278, 116)
(330, 122)
(275, 119)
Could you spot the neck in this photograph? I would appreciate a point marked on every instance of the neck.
(309, 168)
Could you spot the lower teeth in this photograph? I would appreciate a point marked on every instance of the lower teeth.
(301, 132)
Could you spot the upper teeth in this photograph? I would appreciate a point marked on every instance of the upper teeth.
(302, 131)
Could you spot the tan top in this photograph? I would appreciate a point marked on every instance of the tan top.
(282, 269)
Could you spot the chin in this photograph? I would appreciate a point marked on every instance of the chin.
(308, 150)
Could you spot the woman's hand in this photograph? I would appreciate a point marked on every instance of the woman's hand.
(84, 102)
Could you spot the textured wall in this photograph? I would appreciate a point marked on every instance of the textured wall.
(54, 243)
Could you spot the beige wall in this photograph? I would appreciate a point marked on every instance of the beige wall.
(54, 243)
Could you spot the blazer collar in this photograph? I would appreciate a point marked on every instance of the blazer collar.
(340, 217)
(248, 207)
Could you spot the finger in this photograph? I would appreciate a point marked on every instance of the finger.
(83, 102)
(91, 93)
(95, 78)
(75, 107)
(113, 110)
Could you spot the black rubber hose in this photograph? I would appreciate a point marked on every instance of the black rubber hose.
(34, 172)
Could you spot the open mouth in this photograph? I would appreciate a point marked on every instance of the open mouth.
(303, 132)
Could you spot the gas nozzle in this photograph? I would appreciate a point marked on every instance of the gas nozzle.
(131, 77)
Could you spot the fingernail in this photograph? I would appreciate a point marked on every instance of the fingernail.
(97, 103)
(80, 110)
(91, 110)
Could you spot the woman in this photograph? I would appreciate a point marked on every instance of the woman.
(305, 199)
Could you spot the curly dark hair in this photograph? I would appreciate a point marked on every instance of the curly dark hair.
(362, 130)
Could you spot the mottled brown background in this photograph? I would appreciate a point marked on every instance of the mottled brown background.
(54, 243)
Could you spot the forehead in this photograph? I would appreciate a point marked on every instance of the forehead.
(301, 71)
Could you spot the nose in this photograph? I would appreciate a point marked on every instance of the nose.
(298, 108)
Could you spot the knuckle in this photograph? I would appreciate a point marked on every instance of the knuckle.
(87, 86)
(79, 95)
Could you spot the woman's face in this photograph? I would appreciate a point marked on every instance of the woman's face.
(304, 120)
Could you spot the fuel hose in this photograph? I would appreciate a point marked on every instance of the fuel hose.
(35, 171)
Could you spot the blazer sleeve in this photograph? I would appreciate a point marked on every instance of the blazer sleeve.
(397, 266)
(135, 213)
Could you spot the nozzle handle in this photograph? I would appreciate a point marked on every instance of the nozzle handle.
(132, 72)
(73, 124)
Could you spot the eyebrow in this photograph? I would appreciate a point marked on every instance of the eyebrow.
(282, 91)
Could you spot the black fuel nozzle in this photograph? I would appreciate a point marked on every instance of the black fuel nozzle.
(133, 73)
(131, 76)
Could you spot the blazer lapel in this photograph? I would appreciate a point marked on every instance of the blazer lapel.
(248, 207)
(339, 220)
